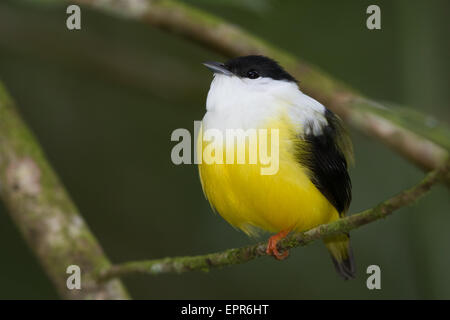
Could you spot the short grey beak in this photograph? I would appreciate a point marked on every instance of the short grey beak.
(217, 67)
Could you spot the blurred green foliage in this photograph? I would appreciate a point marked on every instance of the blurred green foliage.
(103, 101)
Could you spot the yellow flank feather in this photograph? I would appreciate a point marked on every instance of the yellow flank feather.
(249, 200)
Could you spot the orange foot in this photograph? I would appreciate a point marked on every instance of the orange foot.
(272, 245)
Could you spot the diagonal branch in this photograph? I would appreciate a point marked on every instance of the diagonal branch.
(43, 211)
(230, 40)
(241, 255)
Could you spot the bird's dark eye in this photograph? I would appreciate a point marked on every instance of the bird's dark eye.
(252, 74)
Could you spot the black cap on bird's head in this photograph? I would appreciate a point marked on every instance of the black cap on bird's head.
(252, 67)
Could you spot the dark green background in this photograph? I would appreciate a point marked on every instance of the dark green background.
(103, 102)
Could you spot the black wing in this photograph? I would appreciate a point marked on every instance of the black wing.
(328, 164)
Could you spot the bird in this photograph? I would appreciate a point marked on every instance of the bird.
(311, 185)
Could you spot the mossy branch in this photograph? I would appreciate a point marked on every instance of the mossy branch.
(244, 254)
(229, 40)
(45, 214)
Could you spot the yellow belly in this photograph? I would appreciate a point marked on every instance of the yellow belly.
(249, 200)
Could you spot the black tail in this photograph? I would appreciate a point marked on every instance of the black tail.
(342, 255)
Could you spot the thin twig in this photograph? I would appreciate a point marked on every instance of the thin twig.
(244, 254)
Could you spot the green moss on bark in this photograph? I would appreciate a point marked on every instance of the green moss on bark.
(44, 212)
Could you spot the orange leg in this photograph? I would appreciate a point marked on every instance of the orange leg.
(272, 245)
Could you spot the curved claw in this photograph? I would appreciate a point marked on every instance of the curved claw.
(272, 249)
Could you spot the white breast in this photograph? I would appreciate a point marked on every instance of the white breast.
(243, 103)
